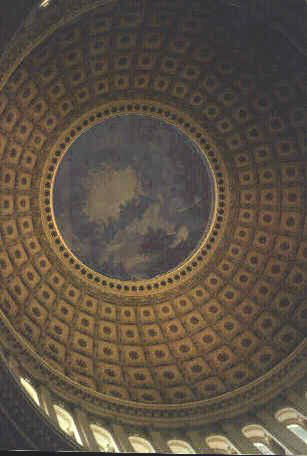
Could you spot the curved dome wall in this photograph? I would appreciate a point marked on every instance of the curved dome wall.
(221, 331)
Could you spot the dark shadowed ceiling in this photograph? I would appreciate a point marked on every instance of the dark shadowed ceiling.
(11, 16)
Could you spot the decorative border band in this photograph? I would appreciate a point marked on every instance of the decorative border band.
(189, 267)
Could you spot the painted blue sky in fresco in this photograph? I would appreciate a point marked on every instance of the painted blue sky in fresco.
(133, 197)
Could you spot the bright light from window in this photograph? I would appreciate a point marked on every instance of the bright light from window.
(104, 439)
(180, 447)
(67, 423)
(141, 445)
(221, 443)
(299, 431)
(30, 390)
(44, 3)
(263, 448)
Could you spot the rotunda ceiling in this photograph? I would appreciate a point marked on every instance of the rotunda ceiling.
(153, 230)
(133, 197)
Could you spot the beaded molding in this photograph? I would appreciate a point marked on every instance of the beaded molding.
(168, 114)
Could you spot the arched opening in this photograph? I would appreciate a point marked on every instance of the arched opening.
(104, 439)
(294, 421)
(44, 3)
(30, 390)
(141, 445)
(221, 443)
(66, 423)
(180, 447)
(263, 440)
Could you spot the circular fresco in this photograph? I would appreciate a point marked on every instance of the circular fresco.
(133, 197)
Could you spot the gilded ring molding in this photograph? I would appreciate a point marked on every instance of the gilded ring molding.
(189, 268)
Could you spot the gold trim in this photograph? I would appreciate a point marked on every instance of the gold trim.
(189, 267)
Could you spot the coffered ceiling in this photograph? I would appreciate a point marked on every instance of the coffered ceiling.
(229, 322)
